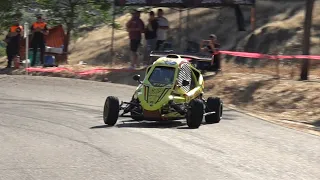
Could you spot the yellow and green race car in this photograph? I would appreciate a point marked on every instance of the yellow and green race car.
(171, 90)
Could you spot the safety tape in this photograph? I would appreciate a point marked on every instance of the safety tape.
(267, 56)
(232, 53)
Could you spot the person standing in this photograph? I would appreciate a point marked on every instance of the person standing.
(162, 29)
(39, 29)
(150, 35)
(212, 46)
(13, 42)
(135, 27)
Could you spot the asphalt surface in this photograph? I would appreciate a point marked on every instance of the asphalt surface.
(52, 128)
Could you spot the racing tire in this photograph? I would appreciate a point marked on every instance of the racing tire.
(111, 110)
(195, 113)
(214, 104)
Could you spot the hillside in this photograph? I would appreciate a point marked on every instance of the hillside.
(279, 29)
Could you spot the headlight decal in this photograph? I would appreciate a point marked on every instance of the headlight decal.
(146, 92)
(163, 94)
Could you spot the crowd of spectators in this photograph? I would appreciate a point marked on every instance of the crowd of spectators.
(155, 34)
(15, 34)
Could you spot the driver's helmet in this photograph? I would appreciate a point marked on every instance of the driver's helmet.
(168, 75)
(157, 74)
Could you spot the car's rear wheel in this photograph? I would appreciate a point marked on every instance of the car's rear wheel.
(214, 104)
(195, 113)
(111, 110)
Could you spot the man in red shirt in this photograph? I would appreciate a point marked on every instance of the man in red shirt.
(135, 27)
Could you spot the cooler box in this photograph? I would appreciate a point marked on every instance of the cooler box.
(49, 61)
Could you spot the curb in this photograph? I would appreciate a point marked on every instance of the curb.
(282, 123)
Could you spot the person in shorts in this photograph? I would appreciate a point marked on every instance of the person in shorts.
(162, 29)
(135, 27)
(150, 35)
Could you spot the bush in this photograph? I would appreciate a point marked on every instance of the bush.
(2, 52)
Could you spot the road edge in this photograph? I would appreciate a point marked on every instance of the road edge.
(301, 127)
(305, 128)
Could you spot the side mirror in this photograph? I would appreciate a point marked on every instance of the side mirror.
(136, 77)
(185, 83)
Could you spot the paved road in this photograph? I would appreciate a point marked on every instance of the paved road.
(52, 128)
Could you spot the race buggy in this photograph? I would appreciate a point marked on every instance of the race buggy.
(171, 90)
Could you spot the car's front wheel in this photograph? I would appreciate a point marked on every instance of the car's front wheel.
(111, 110)
(195, 113)
(216, 105)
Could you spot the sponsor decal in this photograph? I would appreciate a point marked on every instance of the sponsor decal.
(128, 2)
(170, 62)
(227, 2)
(211, 1)
(171, 1)
(243, 1)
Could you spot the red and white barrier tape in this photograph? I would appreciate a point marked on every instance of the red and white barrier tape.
(232, 53)
(266, 56)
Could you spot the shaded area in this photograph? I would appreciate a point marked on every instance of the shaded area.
(178, 124)
(316, 123)
(124, 77)
(244, 95)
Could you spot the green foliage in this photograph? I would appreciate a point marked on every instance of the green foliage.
(2, 47)
(11, 10)
(2, 52)
(76, 16)
(76, 13)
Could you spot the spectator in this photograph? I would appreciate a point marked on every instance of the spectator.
(162, 29)
(39, 30)
(150, 35)
(212, 46)
(13, 42)
(135, 27)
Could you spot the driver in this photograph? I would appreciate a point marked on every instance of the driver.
(212, 47)
(168, 76)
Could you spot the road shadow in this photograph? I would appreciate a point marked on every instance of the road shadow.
(143, 124)
(100, 127)
(151, 124)
(7, 71)
(245, 95)
(177, 124)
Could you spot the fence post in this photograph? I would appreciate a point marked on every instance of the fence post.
(26, 35)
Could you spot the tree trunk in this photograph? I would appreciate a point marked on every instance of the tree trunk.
(67, 39)
(306, 39)
(69, 21)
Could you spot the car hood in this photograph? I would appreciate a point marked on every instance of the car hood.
(153, 98)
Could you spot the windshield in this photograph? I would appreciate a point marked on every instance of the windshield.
(162, 76)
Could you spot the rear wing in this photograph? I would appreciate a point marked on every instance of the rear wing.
(192, 56)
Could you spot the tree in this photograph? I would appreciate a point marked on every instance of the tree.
(9, 11)
(306, 40)
(74, 13)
